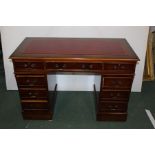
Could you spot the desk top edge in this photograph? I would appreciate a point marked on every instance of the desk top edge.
(131, 56)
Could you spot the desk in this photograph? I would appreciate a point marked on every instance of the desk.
(113, 59)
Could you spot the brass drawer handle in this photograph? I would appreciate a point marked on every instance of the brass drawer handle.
(33, 95)
(115, 67)
(29, 65)
(118, 94)
(30, 94)
(83, 66)
(27, 81)
(118, 82)
(64, 66)
(31, 82)
(91, 66)
(32, 65)
(25, 65)
(119, 66)
(115, 95)
(57, 66)
(122, 67)
(87, 66)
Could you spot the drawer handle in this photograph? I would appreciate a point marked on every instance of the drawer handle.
(120, 83)
(119, 66)
(117, 82)
(118, 94)
(30, 94)
(115, 95)
(114, 82)
(122, 67)
(57, 65)
(27, 81)
(30, 65)
(33, 95)
(115, 67)
(64, 66)
(25, 65)
(31, 82)
(83, 66)
(91, 66)
(113, 107)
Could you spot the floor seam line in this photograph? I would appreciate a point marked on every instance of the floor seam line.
(149, 114)
(27, 125)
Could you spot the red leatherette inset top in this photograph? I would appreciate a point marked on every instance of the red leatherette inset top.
(97, 48)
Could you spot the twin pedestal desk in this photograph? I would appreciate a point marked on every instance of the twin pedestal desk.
(113, 59)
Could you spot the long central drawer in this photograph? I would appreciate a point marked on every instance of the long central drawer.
(60, 66)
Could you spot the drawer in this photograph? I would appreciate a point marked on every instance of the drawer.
(73, 66)
(106, 116)
(29, 104)
(28, 81)
(119, 68)
(33, 94)
(114, 95)
(37, 114)
(112, 106)
(28, 66)
(117, 83)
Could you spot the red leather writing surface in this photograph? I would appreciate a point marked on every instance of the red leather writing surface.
(74, 47)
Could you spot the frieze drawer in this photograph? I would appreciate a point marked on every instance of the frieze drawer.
(119, 68)
(73, 66)
(28, 66)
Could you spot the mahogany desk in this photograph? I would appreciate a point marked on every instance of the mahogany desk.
(113, 59)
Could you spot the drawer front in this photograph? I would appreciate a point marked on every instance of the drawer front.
(106, 116)
(35, 104)
(28, 66)
(26, 81)
(33, 94)
(117, 83)
(112, 107)
(37, 114)
(119, 68)
(73, 66)
(114, 95)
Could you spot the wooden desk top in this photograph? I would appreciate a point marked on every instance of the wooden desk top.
(97, 49)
